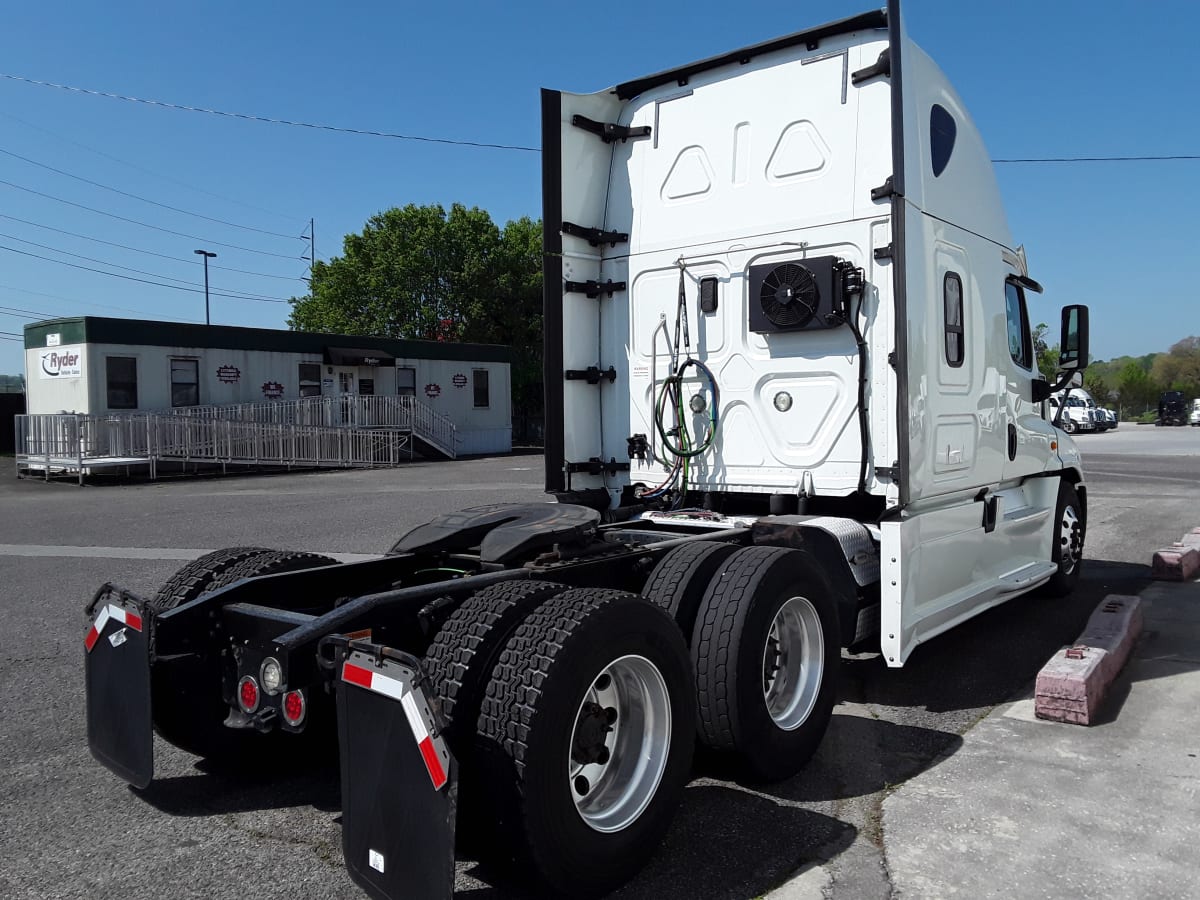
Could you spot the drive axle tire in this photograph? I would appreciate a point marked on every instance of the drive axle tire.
(189, 709)
(1070, 528)
(766, 652)
(680, 579)
(196, 577)
(460, 660)
(585, 739)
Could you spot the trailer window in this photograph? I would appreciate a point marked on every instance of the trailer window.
(406, 381)
(1019, 344)
(952, 306)
(185, 382)
(482, 398)
(310, 379)
(121, 376)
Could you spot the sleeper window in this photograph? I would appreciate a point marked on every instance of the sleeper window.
(952, 306)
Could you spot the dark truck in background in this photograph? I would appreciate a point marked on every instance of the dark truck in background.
(1172, 409)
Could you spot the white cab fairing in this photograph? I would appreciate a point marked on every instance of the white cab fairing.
(807, 150)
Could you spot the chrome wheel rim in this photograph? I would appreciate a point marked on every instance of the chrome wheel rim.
(1070, 540)
(619, 743)
(793, 663)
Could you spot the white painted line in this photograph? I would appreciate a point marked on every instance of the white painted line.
(173, 553)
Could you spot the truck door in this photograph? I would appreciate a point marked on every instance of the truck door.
(1028, 435)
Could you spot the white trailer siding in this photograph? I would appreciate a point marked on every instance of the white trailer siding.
(231, 366)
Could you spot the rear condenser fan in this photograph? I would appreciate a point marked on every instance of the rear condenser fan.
(800, 295)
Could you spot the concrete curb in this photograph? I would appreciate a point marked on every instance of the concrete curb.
(1071, 687)
(1180, 561)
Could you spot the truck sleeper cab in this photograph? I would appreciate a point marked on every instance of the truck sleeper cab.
(792, 405)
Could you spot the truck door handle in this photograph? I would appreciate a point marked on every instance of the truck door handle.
(1012, 441)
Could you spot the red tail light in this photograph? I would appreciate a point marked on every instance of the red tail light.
(248, 694)
(294, 707)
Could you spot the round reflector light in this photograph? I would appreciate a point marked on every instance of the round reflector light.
(271, 675)
(248, 694)
(293, 707)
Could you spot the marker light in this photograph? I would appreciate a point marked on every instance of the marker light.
(783, 401)
(248, 694)
(271, 674)
(294, 707)
(698, 404)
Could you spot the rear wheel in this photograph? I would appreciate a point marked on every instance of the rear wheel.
(1069, 531)
(680, 579)
(766, 651)
(196, 577)
(586, 737)
(189, 709)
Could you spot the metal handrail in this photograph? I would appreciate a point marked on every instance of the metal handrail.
(345, 411)
(76, 442)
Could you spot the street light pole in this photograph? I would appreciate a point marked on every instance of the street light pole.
(207, 255)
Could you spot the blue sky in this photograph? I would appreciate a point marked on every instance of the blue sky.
(1062, 78)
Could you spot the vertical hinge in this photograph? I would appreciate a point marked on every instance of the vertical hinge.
(883, 252)
(610, 131)
(882, 66)
(884, 191)
(892, 359)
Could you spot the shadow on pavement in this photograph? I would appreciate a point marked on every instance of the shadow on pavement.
(724, 843)
(213, 791)
(988, 659)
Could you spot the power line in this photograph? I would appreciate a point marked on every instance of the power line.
(189, 261)
(148, 225)
(34, 162)
(145, 171)
(1092, 159)
(9, 287)
(174, 287)
(104, 262)
(270, 120)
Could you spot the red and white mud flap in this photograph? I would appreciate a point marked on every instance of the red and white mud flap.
(399, 780)
(117, 675)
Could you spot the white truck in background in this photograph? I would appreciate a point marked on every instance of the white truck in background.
(792, 405)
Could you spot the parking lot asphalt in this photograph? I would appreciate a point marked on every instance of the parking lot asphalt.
(70, 829)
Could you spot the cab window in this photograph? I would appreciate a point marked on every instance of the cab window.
(1019, 343)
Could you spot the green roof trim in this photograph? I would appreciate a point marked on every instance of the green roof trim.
(102, 330)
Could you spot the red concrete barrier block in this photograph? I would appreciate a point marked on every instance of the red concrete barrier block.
(1072, 685)
(1180, 563)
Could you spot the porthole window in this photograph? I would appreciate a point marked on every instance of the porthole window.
(952, 306)
(942, 132)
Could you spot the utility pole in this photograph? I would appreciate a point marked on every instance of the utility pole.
(312, 250)
(207, 255)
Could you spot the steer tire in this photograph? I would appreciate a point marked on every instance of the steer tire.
(189, 709)
(196, 577)
(680, 579)
(730, 648)
(526, 738)
(1066, 532)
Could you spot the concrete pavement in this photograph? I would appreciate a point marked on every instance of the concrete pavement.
(1027, 808)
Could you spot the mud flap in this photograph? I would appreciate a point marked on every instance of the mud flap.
(399, 781)
(117, 676)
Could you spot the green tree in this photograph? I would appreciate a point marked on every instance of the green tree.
(1138, 391)
(423, 272)
(1047, 356)
(1179, 368)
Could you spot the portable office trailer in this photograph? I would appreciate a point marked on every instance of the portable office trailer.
(100, 365)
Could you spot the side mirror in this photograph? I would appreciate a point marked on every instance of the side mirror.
(1074, 343)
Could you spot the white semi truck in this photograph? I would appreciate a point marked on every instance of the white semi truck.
(792, 405)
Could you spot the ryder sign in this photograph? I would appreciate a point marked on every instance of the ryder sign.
(60, 362)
